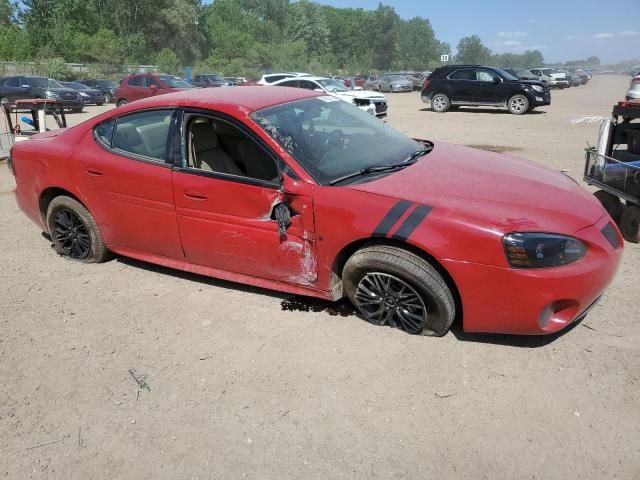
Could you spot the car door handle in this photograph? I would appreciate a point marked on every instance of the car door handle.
(91, 170)
(195, 195)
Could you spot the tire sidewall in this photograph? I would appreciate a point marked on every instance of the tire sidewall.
(359, 265)
(630, 224)
(446, 100)
(519, 95)
(68, 203)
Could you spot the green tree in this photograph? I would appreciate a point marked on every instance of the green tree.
(472, 51)
(384, 36)
(167, 61)
(306, 23)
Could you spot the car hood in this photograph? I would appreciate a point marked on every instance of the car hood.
(91, 91)
(494, 191)
(59, 90)
(359, 94)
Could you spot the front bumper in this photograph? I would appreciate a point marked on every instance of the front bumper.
(514, 301)
(92, 100)
(375, 106)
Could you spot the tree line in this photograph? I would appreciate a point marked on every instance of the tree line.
(233, 37)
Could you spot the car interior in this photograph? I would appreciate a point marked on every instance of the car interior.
(144, 134)
(220, 147)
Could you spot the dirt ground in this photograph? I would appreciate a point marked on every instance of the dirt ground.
(240, 388)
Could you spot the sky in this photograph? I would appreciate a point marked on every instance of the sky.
(562, 30)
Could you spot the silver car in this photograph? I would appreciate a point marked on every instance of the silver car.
(634, 89)
(393, 83)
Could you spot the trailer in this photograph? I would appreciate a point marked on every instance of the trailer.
(614, 167)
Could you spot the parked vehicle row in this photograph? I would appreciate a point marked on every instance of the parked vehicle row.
(25, 87)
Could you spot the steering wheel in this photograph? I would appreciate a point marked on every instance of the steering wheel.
(336, 139)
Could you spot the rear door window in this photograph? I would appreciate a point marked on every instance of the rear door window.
(143, 134)
(136, 81)
(463, 74)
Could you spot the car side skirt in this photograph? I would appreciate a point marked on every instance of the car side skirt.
(221, 274)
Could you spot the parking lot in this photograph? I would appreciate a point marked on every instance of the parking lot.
(129, 370)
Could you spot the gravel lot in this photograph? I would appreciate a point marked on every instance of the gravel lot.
(240, 388)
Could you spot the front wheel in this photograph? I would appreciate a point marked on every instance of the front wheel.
(518, 104)
(121, 102)
(390, 286)
(630, 224)
(440, 103)
(74, 232)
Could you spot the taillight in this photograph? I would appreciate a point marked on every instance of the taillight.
(426, 83)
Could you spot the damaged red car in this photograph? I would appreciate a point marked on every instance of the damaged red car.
(291, 190)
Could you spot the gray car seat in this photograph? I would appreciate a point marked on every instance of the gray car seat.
(206, 152)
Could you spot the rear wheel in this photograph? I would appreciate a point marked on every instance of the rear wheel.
(390, 286)
(100, 104)
(121, 102)
(77, 110)
(630, 224)
(518, 104)
(74, 232)
(440, 103)
(4, 101)
(611, 204)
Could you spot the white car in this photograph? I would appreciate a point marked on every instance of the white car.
(270, 78)
(373, 102)
(556, 79)
(634, 89)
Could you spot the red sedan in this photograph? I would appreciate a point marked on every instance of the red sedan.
(296, 191)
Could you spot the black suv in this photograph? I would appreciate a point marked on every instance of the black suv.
(20, 88)
(477, 85)
(107, 87)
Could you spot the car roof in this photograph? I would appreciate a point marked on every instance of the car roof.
(303, 78)
(242, 99)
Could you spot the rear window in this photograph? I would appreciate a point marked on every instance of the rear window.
(136, 81)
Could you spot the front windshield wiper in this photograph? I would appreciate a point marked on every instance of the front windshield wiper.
(410, 160)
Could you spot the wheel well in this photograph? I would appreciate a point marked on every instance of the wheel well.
(342, 257)
(49, 194)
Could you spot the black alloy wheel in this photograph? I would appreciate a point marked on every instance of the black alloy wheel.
(384, 299)
(71, 234)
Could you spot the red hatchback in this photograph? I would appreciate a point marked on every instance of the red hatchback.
(292, 190)
(143, 85)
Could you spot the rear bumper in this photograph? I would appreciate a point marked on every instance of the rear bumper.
(540, 301)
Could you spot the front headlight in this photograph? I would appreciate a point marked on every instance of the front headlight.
(52, 94)
(542, 250)
(537, 88)
(82, 94)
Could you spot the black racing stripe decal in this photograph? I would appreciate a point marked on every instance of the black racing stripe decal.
(391, 218)
(411, 223)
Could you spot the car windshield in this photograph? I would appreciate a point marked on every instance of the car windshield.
(215, 78)
(395, 78)
(174, 82)
(44, 82)
(107, 84)
(333, 86)
(504, 74)
(331, 139)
